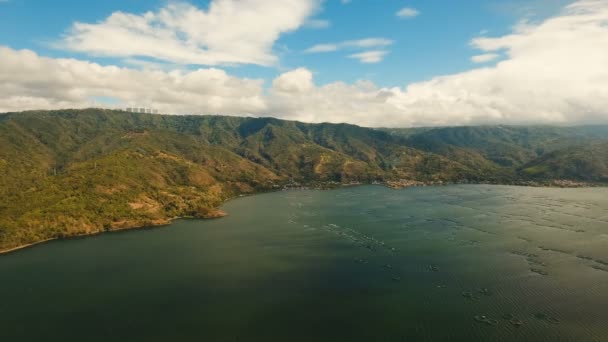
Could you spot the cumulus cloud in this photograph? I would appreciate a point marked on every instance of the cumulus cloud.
(408, 12)
(321, 48)
(228, 32)
(555, 72)
(368, 57)
(29, 81)
(295, 81)
(486, 57)
(350, 44)
(362, 103)
(551, 72)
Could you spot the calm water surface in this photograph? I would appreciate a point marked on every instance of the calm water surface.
(458, 263)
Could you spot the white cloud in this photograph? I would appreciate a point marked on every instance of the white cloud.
(408, 12)
(554, 72)
(350, 44)
(362, 103)
(486, 57)
(228, 32)
(28, 81)
(369, 56)
(295, 81)
(551, 72)
(374, 56)
(321, 48)
(368, 43)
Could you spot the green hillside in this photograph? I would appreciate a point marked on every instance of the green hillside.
(507, 146)
(74, 172)
(587, 162)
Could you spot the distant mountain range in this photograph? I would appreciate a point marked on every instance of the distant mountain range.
(77, 172)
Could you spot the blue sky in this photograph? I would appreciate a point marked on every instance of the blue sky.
(435, 42)
(359, 61)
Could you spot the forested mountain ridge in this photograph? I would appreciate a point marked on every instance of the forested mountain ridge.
(74, 172)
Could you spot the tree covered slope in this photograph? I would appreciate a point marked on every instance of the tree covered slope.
(587, 162)
(74, 172)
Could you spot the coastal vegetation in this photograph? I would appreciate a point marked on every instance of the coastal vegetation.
(77, 172)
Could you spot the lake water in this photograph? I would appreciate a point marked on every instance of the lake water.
(456, 263)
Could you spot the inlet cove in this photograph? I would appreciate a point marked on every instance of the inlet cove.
(368, 263)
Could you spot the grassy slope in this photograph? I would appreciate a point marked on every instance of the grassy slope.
(506, 146)
(587, 162)
(75, 172)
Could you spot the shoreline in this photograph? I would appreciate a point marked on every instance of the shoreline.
(166, 222)
(29, 245)
(220, 214)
